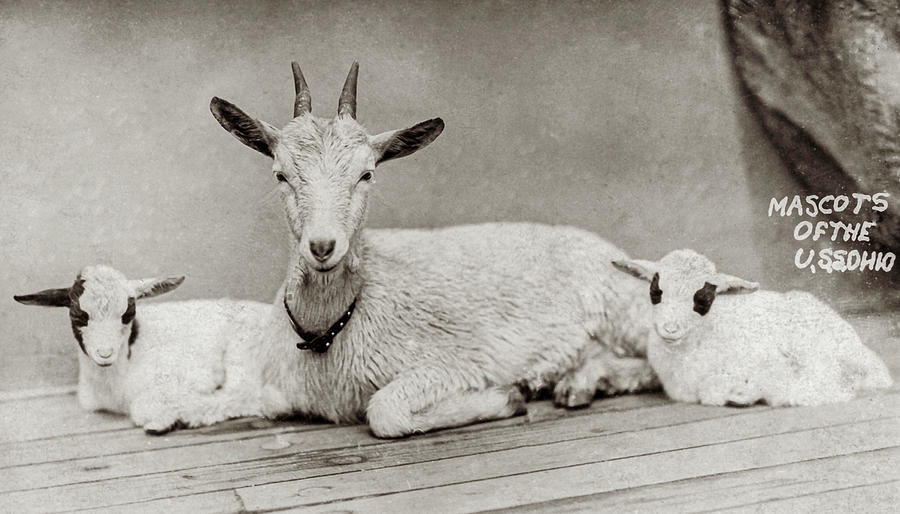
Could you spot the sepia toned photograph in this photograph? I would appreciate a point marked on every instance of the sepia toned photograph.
(450, 256)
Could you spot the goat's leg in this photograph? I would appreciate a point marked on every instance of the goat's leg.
(607, 373)
(419, 401)
(471, 407)
(628, 375)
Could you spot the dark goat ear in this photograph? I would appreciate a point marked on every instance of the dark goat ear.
(256, 134)
(46, 298)
(400, 143)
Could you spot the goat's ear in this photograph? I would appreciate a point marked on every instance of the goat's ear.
(730, 284)
(46, 298)
(400, 143)
(637, 268)
(256, 134)
(150, 287)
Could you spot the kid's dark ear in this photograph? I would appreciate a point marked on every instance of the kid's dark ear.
(46, 298)
(400, 143)
(256, 134)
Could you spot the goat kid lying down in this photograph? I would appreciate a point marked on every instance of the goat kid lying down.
(716, 346)
(164, 364)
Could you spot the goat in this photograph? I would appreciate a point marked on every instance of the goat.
(164, 364)
(425, 329)
(717, 347)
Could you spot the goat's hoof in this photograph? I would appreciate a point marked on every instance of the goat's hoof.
(388, 420)
(516, 402)
(388, 432)
(571, 397)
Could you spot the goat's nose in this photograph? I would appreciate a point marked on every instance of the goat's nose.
(670, 327)
(104, 354)
(321, 248)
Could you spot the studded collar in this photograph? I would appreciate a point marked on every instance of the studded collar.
(319, 343)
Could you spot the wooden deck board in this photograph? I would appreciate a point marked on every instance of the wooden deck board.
(631, 453)
(755, 486)
(57, 416)
(522, 489)
(875, 498)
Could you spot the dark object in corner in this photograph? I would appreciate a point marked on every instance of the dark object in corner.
(822, 79)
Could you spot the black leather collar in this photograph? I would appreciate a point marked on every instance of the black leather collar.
(319, 343)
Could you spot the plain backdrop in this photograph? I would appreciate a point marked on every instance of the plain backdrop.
(619, 117)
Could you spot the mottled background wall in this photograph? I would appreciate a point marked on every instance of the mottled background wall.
(619, 117)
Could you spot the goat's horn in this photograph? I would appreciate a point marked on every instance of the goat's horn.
(347, 103)
(303, 100)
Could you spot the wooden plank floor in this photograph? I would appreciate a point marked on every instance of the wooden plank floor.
(629, 453)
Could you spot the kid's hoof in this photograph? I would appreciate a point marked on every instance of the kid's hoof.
(151, 429)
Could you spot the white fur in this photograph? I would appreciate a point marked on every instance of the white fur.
(780, 348)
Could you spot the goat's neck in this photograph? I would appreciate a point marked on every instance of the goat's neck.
(316, 300)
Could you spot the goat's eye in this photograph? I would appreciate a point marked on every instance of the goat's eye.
(366, 177)
(279, 176)
(655, 291)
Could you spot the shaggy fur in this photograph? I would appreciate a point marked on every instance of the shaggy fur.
(446, 321)
(184, 367)
(778, 348)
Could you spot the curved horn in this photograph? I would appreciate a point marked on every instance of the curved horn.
(347, 103)
(303, 100)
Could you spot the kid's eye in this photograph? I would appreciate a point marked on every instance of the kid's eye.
(366, 177)
(279, 176)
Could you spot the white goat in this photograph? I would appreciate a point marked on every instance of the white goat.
(779, 348)
(164, 364)
(433, 327)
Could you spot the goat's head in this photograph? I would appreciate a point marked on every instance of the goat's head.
(683, 286)
(101, 307)
(324, 167)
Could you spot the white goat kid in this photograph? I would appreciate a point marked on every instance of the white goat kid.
(164, 364)
(717, 347)
(433, 327)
